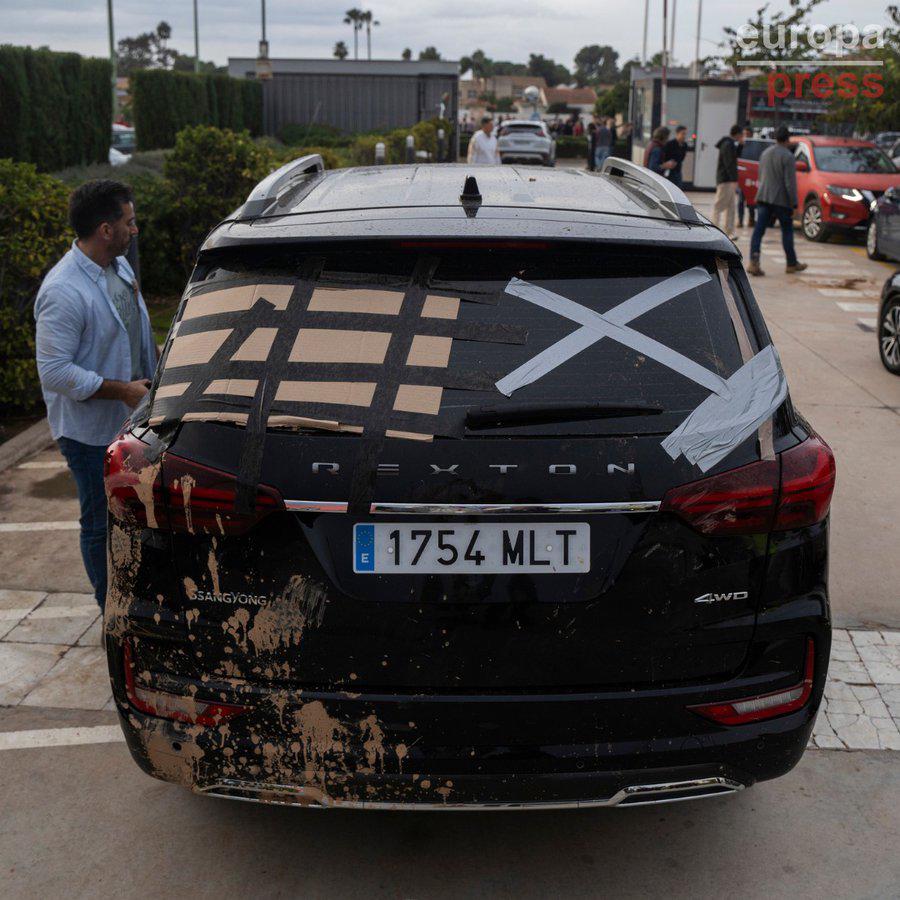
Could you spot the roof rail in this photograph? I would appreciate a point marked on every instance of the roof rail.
(273, 186)
(667, 195)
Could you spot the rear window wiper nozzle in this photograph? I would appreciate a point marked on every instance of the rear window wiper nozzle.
(537, 412)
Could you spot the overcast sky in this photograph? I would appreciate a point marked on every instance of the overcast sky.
(504, 29)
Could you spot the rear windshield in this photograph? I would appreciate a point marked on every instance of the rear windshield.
(752, 150)
(442, 327)
(521, 129)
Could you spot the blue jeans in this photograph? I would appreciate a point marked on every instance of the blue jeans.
(767, 214)
(85, 461)
(600, 154)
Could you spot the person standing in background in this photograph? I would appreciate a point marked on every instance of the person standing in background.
(675, 151)
(605, 141)
(591, 145)
(483, 145)
(742, 204)
(653, 155)
(95, 351)
(727, 179)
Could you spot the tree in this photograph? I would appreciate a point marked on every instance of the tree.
(184, 63)
(552, 72)
(367, 19)
(596, 63)
(354, 17)
(429, 53)
(785, 49)
(340, 50)
(407, 54)
(613, 101)
(149, 50)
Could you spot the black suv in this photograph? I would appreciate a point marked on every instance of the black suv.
(464, 486)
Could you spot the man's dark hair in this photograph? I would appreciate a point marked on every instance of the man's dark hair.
(96, 202)
(783, 134)
(736, 130)
(486, 119)
(681, 128)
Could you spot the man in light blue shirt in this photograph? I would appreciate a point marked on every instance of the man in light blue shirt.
(95, 351)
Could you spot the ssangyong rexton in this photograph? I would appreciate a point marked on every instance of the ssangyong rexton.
(468, 487)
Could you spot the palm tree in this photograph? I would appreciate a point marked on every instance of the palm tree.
(340, 50)
(366, 18)
(354, 17)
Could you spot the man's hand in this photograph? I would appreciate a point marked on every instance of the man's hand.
(129, 392)
(670, 164)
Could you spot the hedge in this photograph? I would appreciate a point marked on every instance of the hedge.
(165, 102)
(56, 108)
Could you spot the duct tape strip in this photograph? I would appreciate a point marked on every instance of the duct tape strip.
(720, 424)
(408, 321)
(766, 443)
(612, 324)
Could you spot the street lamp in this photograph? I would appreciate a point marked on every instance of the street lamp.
(112, 56)
(196, 41)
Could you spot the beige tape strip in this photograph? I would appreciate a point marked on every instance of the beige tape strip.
(192, 349)
(764, 433)
(171, 390)
(235, 299)
(385, 303)
(256, 348)
(332, 345)
(408, 435)
(348, 393)
(440, 307)
(418, 398)
(427, 350)
(236, 387)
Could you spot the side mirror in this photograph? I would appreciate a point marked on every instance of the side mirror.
(802, 165)
(893, 194)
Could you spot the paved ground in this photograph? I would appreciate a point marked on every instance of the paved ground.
(73, 802)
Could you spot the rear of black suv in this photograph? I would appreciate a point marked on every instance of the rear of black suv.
(496, 523)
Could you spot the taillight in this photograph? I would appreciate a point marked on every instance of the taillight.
(764, 706)
(201, 499)
(790, 492)
(177, 493)
(166, 705)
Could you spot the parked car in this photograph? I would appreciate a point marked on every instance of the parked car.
(748, 167)
(412, 517)
(889, 324)
(894, 154)
(526, 141)
(883, 234)
(837, 180)
(886, 139)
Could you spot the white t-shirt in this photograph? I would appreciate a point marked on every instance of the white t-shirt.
(483, 149)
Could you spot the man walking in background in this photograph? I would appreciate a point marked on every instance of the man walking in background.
(483, 145)
(742, 204)
(727, 179)
(95, 351)
(776, 200)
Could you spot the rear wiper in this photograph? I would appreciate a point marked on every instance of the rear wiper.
(535, 413)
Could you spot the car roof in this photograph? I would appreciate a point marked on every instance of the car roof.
(521, 122)
(418, 201)
(826, 140)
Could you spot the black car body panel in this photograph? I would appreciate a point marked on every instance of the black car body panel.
(258, 662)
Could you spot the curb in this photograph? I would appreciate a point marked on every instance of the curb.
(31, 440)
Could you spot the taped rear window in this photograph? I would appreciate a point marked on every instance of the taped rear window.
(406, 341)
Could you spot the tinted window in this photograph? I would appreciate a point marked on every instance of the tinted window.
(521, 130)
(860, 160)
(694, 324)
(752, 150)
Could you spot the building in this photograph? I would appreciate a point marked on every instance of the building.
(577, 99)
(352, 95)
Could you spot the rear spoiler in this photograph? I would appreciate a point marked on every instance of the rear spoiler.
(660, 190)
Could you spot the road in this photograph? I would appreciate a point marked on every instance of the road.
(80, 819)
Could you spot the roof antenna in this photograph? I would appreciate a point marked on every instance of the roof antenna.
(470, 198)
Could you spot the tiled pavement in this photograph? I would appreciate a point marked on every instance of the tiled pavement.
(50, 656)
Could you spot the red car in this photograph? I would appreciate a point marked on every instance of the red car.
(748, 167)
(837, 181)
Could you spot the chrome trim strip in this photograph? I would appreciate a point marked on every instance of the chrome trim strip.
(317, 506)
(515, 509)
(315, 798)
(478, 509)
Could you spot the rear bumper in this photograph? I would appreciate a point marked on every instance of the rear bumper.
(424, 751)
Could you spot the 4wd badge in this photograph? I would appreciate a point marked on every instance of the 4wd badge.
(713, 597)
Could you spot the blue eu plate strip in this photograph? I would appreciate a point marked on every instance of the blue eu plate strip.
(364, 548)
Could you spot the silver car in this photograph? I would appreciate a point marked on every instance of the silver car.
(521, 140)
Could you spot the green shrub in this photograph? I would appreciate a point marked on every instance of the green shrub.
(56, 107)
(209, 174)
(362, 150)
(329, 157)
(164, 102)
(319, 135)
(34, 234)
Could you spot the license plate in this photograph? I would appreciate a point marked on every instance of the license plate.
(493, 547)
